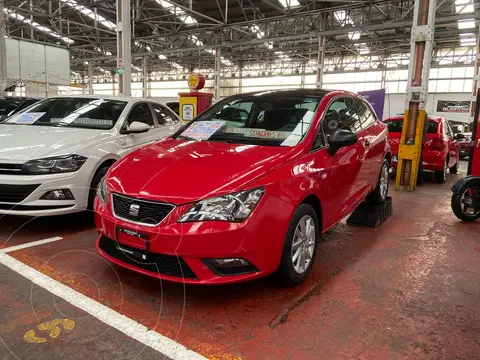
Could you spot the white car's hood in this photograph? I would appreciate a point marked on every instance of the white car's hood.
(19, 143)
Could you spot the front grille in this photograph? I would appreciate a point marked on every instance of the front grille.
(16, 193)
(156, 263)
(11, 169)
(149, 212)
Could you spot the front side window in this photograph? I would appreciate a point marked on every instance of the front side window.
(273, 119)
(164, 116)
(141, 113)
(344, 113)
(71, 112)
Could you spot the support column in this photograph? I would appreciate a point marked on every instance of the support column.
(217, 74)
(421, 44)
(240, 78)
(124, 53)
(145, 77)
(90, 77)
(476, 78)
(302, 76)
(320, 61)
(3, 53)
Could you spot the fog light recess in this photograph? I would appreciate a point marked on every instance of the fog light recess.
(64, 194)
(229, 267)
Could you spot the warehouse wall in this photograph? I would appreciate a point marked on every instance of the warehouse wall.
(37, 62)
(395, 105)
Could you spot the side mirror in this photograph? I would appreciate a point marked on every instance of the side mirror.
(137, 127)
(341, 138)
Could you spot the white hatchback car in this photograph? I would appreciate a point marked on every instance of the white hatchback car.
(54, 154)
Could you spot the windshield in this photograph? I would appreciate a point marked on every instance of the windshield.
(7, 106)
(396, 126)
(71, 112)
(264, 119)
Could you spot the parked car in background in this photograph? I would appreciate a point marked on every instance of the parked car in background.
(466, 144)
(11, 105)
(245, 189)
(53, 155)
(441, 151)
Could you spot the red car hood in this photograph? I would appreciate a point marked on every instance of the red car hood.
(180, 172)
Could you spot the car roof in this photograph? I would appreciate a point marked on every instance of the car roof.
(289, 92)
(430, 118)
(118, 98)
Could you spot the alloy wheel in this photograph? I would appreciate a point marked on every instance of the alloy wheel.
(303, 244)
(384, 181)
(468, 200)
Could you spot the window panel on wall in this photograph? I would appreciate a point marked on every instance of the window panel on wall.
(458, 72)
(434, 73)
(443, 86)
(444, 73)
(432, 86)
(397, 75)
(456, 85)
(468, 85)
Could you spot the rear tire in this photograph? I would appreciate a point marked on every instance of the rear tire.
(297, 250)
(441, 176)
(454, 168)
(379, 195)
(94, 185)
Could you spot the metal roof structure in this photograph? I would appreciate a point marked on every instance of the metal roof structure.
(183, 34)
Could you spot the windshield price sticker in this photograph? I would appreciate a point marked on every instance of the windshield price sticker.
(202, 130)
(258, 133)
(26, 118)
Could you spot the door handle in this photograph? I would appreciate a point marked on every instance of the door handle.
(367, 142)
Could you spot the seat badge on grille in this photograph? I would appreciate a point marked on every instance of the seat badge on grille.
(134, 210)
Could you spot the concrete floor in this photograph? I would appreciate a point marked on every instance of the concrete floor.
(408, 289)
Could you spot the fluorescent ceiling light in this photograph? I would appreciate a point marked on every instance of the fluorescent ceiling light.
(355, 35)
(37, 26)
(136, 68)
(467, 39)
(162, 57)
(342, 17)
(86, 11)
(466, 24)
(176, 65)
(289, 3)
(108, 53)
(225, 61)
(464, 6)
(145, 46)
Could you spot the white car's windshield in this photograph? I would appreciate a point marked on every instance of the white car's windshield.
(71, 112)
(265, 119)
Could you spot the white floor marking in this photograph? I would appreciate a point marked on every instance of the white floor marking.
(129, 327)
(30, 244)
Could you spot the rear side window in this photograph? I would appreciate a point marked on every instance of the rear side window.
(396, 126)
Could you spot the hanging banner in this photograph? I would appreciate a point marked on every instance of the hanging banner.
(453, 106)
(377, 99)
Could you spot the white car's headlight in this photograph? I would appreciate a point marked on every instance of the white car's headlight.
(102, 190)
(232, 207)
(54, 165)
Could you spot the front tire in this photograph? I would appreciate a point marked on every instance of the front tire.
(379, 195)
(94, 185)
(300, 246)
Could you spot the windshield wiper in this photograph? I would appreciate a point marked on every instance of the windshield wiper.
(187, 138)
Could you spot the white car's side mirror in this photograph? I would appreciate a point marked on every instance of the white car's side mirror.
(137, 127)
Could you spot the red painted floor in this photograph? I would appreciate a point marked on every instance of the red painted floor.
(408, 289)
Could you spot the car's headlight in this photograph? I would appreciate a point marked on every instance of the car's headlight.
(54, 165)
(232, 207)
(102, 190)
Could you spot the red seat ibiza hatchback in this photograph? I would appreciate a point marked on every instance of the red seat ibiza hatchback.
(244, 190)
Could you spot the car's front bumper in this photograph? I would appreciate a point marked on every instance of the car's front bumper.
(33, 187)
(258, 240)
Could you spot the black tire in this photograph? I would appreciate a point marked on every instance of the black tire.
(93, 186)
(456, 204)
(286, 273)
(377, 197)
(441, 176)
(454, 168)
